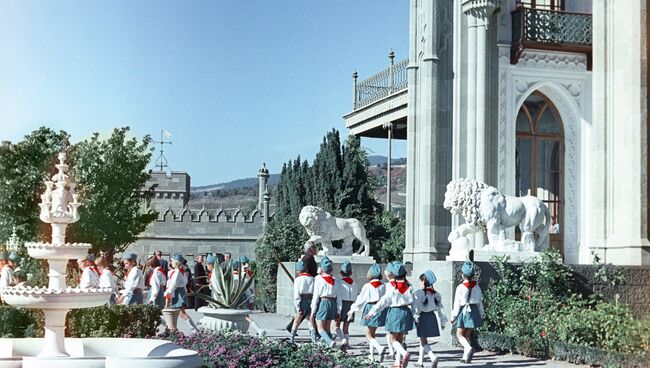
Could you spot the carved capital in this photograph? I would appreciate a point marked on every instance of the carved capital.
(480, 9)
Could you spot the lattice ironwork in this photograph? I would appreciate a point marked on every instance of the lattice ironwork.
(551, 30)
(391, 80)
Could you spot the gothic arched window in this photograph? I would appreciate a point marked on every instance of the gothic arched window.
(539, 157)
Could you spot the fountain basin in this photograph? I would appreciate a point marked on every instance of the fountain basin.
(45, 298)
(65, 252)
(99, 353)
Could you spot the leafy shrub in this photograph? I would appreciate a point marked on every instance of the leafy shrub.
(137, 321)
(234, 350)
(20, 322)
(581, 354)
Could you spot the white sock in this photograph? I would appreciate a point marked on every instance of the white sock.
(255, 326)
(339, 333)
(390, 346)
(421, 354)
(399, 348)
(466, 346)
(374, 343)
(427, 350)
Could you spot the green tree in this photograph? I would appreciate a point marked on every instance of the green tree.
(23, 168)
(110, 174)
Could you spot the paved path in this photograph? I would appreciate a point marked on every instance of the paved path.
(449, 356)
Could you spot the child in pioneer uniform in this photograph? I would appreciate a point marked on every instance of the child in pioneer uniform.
(368, 297)
(427, 302)
(398, 299)
(176, 289)
(106, 278)
(134, 282)
(303, 291)
(157, 282)
(468, 310)
(348, 290)
(89, 272)
(326, 302)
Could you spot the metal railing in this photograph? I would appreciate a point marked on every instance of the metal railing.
(392, 79)
(550, 30)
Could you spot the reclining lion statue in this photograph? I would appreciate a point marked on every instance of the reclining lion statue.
(486, 209)
(324, 228)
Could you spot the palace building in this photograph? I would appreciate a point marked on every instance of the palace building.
(535, 97)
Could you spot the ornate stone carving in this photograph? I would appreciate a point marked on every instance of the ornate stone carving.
(486, 209)
(324, 228)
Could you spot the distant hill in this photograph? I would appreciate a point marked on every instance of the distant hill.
(235, 184)
(383, 160)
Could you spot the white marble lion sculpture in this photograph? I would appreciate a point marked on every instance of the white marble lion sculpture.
(324, 228)
(486, 209)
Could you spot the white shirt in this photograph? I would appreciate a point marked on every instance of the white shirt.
(368, 294)
(175, 280)
(323, 289)
(348, 292)
(89, 278)
(106, 280)
(433, 304)
(393, 298)
(249, 295)
(461, 300)
(6, 276)
(157, 281)
(303, 284)
(134, 280)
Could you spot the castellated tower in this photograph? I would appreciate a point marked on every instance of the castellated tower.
(262, 179)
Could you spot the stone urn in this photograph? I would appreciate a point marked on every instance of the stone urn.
(216, 319)
(170, 316)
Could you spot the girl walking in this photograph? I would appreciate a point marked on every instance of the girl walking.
(398, 299)
(326, 302)
(106, 278)
(303, 291)
(176, 291)
(368, 297)
(134, 283)
(427, 302)
(468, 310)
(157, 282)
(349, 293)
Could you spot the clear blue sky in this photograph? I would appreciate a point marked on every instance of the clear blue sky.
(236, 82)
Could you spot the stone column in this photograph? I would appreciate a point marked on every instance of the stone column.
(429, 129)
(262, 181)
(619, 220)
(479, 13)
(266, 211)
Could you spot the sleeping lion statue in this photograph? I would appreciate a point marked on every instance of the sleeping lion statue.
(324, 228)
(486, 209)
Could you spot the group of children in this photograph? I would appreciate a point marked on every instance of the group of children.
(395, 305)
(8, 264)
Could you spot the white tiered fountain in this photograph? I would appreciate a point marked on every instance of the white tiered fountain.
(59, 208)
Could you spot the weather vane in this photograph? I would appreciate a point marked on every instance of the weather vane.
(161, 161)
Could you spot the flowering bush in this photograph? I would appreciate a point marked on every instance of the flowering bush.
(231, 349)
(137, 321)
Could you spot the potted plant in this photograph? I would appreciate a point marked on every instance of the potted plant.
(229, 295)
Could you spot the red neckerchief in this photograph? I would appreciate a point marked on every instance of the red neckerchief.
(249, 273)
(348, 280)
(469, 284)
(429, 290)
(236, 273)
(209, 276)
(400, 285)
(328, 279)
(305, 274)
(182, 270)
(376, 283)
(95, 270)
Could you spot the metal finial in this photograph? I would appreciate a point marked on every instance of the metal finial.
(355, 75)
(391, 55)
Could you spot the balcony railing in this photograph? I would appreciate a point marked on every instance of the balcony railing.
(550, 30)
(391, 80)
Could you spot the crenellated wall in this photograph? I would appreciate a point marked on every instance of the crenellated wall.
(191, 232)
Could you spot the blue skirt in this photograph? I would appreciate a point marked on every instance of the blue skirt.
(469, 320)
(428, 325)
(326, 310)
(160, 299)
(136, 298)
(345, 308)
(305, 306)
(179, 297)
(399, 319)
(378, 320)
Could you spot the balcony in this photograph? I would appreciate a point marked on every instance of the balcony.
(380, 102)
(550, 30)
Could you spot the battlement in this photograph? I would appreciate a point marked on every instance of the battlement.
(204, 215)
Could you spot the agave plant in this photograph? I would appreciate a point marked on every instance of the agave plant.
(226, 292)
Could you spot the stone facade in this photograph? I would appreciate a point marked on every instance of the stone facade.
(191, 232)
